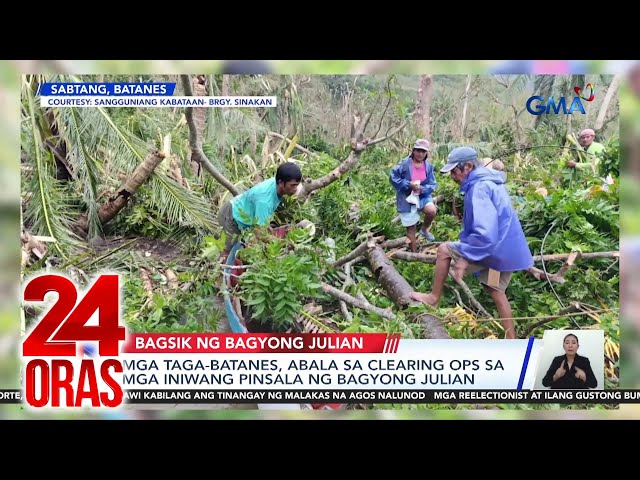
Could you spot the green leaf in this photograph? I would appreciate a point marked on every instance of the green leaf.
(259, 309)
(158, 300)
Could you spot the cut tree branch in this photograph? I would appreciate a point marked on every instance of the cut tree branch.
(395, 243)
(565, 256)
(535, 272)
(460, 302)
(474, 302)
(345, 297)
(559, 275)
(309, 185)
(355, 253)
(298, 147)
(415, 257)
(573, 307)
(570, 259)
(388, 135)
(347, 281)
(195, 142)
(540, 275)
(358, 145)
(401, 242)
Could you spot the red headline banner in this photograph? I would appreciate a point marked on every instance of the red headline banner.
(261, 343)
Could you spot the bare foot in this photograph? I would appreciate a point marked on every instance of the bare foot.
(426, 298)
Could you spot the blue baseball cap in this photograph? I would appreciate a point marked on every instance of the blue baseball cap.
(458, 155)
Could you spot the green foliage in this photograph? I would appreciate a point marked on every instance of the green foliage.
(212, 247)
(610, 162)
(584, 220)
(142, 219)
(316, 142)
(171, 311)
(281, 274)
(332, 207)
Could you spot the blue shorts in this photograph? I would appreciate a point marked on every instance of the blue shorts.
(425, 201)
(409, 219)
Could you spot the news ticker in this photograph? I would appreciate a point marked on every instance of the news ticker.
(186, 397)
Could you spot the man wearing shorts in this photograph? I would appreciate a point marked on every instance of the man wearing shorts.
(492, 244)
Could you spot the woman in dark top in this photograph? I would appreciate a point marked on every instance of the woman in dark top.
(570, 371)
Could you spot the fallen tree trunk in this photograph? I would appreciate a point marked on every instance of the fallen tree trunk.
(139, 176)
(431, 259)
(399, 289)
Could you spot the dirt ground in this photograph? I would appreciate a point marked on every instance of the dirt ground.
(157, 249)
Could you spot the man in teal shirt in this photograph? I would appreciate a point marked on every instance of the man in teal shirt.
(594, 151)
(257, 205)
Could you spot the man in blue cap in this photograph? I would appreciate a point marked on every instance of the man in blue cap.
(492, 244)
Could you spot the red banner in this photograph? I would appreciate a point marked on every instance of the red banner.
(261, 343)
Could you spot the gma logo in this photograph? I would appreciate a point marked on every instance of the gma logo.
(550, 104)
(545, 106)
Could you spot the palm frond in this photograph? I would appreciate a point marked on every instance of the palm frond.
(184, 237)
(84, 161)
(544, 85)
(232, 126)
(516, 84)
(120, 259)
(125, 152)
(180, 206)
(49, 209)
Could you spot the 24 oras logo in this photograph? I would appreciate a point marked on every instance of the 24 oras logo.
(546, 105)
(59, 369)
